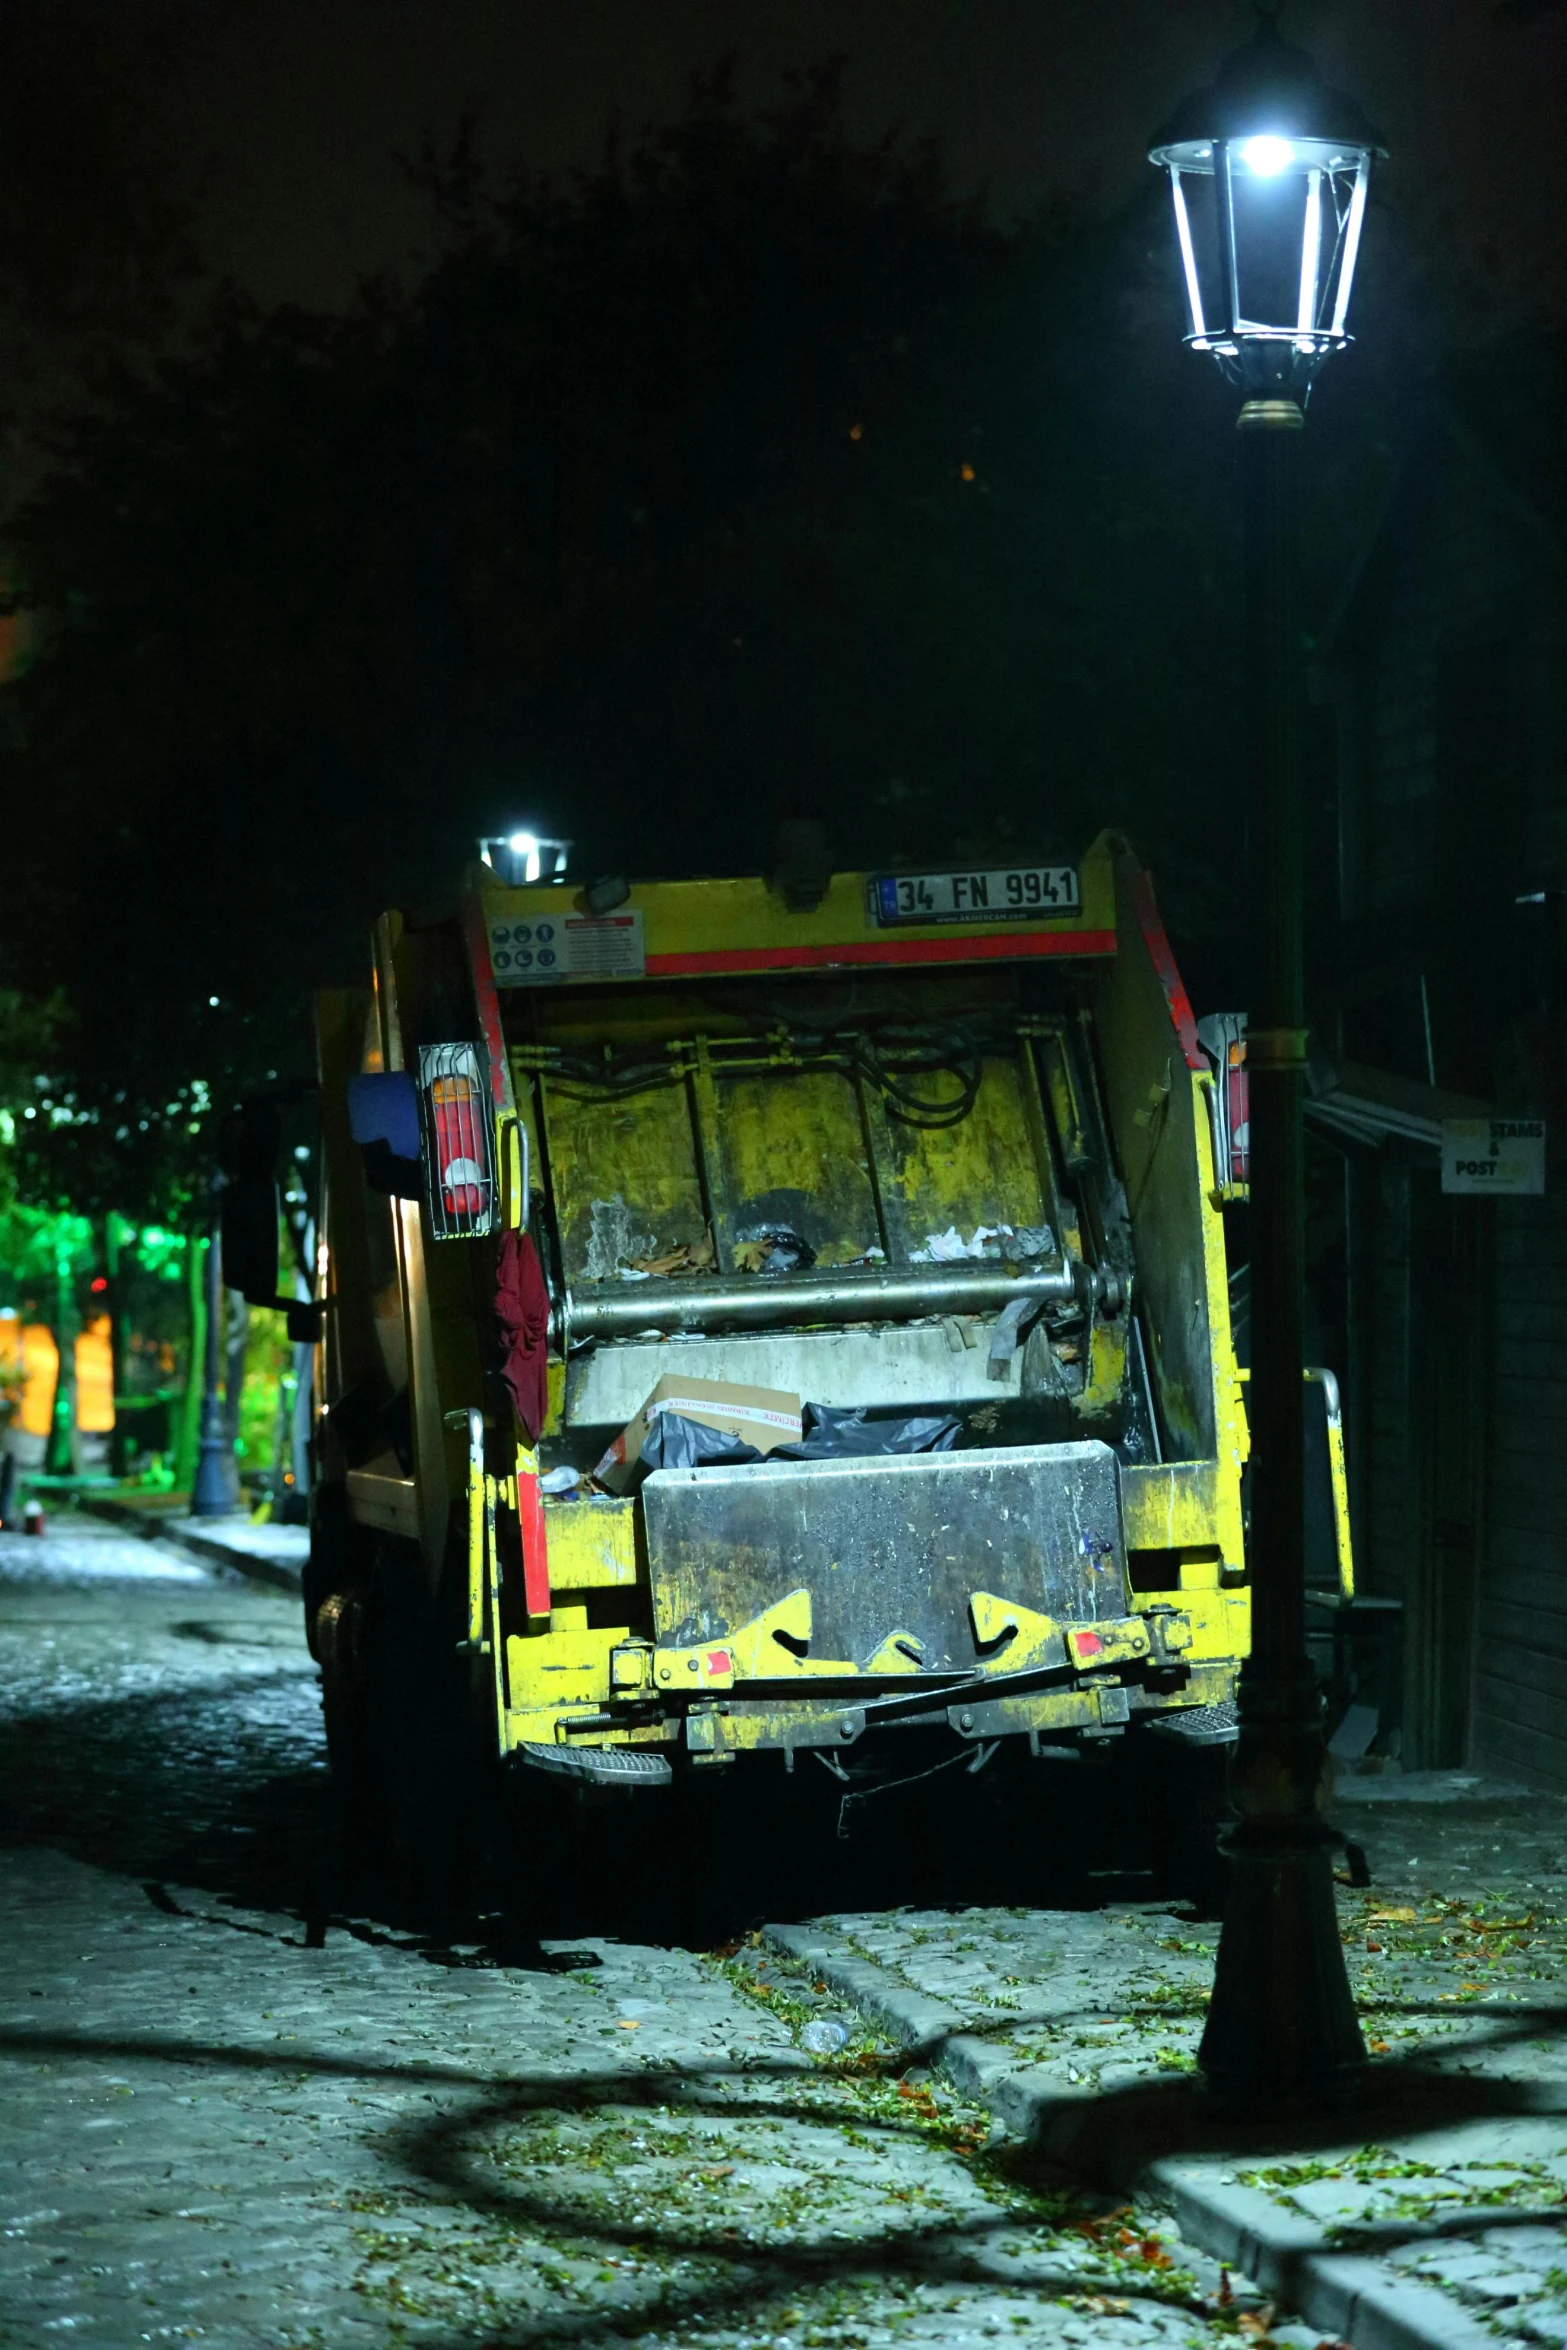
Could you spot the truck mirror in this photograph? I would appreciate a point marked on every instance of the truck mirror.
(247, 1232)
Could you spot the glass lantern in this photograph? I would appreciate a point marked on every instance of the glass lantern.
(1270, 170)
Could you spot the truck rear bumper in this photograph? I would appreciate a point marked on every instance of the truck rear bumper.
(890, 1552)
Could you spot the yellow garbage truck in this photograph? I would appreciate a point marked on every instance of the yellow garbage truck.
(762, 1320)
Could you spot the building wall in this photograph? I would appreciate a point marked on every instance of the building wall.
(1460, 566)
(1450, 679)
(1519, 1726)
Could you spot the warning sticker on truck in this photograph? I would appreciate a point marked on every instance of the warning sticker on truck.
(1505, 1155)
(531, 950)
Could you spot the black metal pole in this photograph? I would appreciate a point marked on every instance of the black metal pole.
(1281, 2030)
(215, 1492)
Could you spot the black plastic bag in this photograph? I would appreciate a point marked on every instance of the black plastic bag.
(833, 1434)
(674, 1442)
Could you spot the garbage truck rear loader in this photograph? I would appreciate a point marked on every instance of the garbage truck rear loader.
(755, 1331)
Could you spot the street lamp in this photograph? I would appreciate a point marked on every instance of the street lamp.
(215, 1487)
(1269, 170)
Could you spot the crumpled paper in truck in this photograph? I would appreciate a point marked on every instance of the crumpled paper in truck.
(996, 1241)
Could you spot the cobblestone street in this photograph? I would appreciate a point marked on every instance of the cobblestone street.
(214, 2132)
(238, 2112)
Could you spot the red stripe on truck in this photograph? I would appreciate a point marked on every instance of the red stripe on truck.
(1165, 967)
(487, 1002)
(1009, 947)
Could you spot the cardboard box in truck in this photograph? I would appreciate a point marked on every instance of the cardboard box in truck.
(763, 1416)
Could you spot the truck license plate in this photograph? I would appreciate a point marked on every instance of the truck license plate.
(974, 897)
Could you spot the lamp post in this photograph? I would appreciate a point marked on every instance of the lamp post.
(1269, 170)
(215, 1491)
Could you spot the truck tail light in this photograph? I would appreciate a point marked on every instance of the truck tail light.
(461, 1187)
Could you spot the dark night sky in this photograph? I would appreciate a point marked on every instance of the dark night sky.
(297, 106)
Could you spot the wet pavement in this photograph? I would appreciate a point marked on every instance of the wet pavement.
(244, 2105)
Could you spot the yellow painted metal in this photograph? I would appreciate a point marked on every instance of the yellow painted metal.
(625, 1178)
(476, 1550)
(802, 1136)
(753, 1653)
(493, 1640)
(895, 1657)
(592, 1543)
(568, 1724)
(976, 1172)
(686, 918)
(1219, 1622)
(687, 1165)
(1066, 1107)
(1177, 1505)
(1338, 1476)
(567, 1666)
(509, 1154)
(1123, 1640)
(757, 1651)
(1105, 1374)
(1159, 1118)
(1037, 1638)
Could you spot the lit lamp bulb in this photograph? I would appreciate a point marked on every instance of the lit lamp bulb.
(1267, 155)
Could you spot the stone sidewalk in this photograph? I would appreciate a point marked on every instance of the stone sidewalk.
(1440, 2220)
(267, 1552)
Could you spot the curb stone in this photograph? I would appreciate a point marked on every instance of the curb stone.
(1345, 2294)
(245, 1558)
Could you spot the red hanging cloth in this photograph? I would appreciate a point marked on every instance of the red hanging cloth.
(522, 1308)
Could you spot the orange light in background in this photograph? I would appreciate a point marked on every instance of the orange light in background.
(40, 1369)
(95, 1379)
(856, 432)
(965, 471)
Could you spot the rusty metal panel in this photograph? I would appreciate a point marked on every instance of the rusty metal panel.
(890, 1550)
(979, 1171)
(795, 1155)
(626, 1180)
